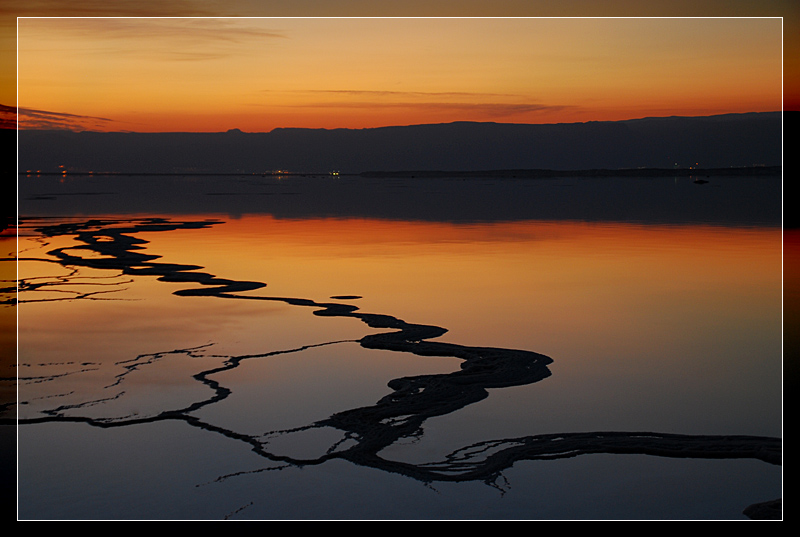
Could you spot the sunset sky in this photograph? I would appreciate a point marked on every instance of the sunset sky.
(212, 71)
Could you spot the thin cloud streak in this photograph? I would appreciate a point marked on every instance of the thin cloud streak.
(411, 93)
(104, 8)
(8, 117)
(43, 119)
(156, 40)
(202, 30)
(476, 109)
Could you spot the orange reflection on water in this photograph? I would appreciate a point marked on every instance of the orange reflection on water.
(654, 311)
(8, 338)
(495, 273)
(685, 321)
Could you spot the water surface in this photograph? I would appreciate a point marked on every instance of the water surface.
(381, 363)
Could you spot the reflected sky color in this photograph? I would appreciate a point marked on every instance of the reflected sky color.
(536, 285)
(660, 305)
(154, 75)
(674, 329)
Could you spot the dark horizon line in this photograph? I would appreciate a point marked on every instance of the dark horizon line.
(454, 122)
(755, 170)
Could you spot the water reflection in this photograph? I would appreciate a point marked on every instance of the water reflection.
(114, 257)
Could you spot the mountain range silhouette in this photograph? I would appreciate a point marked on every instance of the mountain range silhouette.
(730, 140)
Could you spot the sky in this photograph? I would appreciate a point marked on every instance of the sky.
(209, 66)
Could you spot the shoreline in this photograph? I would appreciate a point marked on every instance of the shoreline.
(512, 173)
(623, 172)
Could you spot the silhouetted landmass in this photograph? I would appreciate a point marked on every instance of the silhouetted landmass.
(8, 206)
(450, 172)
(772, 510)
(412, 174)
(724, 141)
(628, 172)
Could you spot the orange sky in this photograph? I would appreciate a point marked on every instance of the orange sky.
(255, 74)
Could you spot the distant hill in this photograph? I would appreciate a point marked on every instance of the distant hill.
(730, 140)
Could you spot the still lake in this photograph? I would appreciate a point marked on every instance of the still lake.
(618, 305)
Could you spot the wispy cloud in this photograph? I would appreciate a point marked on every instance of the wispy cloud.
(101, 8)
(194, 39)
(43, 119)
(8, 117)
(203, 30)
(491, 109)
(391, 93)
(477, 104)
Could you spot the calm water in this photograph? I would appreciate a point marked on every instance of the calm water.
(264, 402)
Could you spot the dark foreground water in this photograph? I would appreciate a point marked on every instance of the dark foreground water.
(353, 348)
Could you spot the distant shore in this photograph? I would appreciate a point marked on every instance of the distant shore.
(627, 172)
(520, 173)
